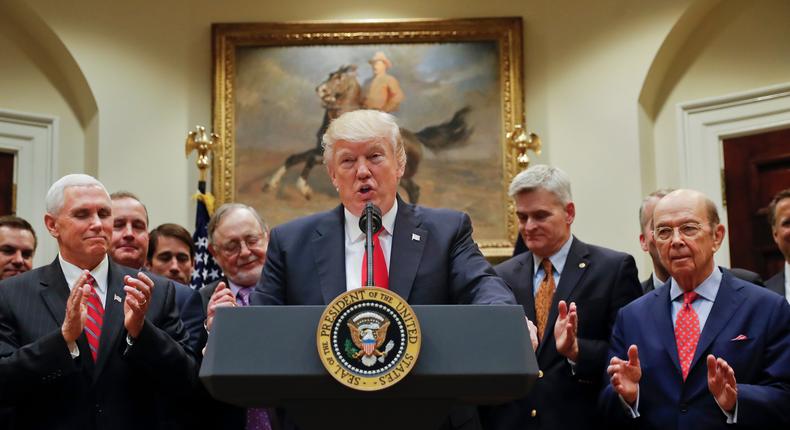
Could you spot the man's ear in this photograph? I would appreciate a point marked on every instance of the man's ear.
(570, 209)
(50, 223)
(718, 237)
(211, 251)
(643, 242)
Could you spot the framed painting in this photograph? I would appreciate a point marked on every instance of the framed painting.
(455, 87)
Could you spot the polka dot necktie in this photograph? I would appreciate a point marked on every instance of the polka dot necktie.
(95, 317)
(687, 332)
(544, 297)
(380, 274)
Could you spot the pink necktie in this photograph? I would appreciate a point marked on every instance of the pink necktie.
(257, 418)
(687, 332)
(95, 318)
(380, 275)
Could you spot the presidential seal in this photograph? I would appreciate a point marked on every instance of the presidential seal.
(368, 339)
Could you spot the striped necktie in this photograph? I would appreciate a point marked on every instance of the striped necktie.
(95, 318)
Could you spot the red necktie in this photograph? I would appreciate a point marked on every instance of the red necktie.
(380, 275)
(687, 332)
(95, 317)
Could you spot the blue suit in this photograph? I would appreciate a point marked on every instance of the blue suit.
(748, 326)
(433, 261)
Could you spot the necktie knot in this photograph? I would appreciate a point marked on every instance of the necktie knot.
(243, 296)
(689, 297)
(547, 267)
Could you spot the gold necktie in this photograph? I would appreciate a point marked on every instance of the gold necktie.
(544, 297)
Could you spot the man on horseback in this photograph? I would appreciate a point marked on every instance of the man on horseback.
(382, 92)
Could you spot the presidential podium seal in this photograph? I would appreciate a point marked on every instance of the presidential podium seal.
(368, 338)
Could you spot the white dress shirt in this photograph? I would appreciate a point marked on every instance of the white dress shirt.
(99, 273)
(355, 245)
(787, 281)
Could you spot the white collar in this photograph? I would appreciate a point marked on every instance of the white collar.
(99, 273)
(353, 232)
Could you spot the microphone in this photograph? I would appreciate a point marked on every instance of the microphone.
(370, 223)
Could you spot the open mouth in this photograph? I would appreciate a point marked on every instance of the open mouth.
(365, 190)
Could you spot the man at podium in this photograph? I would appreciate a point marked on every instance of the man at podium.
(427, 256)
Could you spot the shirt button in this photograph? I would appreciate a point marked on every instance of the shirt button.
(540, 373)
(534, 413)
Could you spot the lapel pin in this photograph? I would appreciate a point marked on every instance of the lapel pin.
(415, 237)
(582, 265)
(117, 298)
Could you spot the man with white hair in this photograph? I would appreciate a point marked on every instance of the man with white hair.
(425, 255)
(572, 290)
(84, 342)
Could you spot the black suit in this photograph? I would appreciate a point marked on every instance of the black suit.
(777, 283)
(217, 414)
(600, 281)
(647, 285)
(128, 387)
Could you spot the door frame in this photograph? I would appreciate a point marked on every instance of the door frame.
(34, 139)
(704, 124)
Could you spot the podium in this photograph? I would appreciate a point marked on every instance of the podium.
(470, 354)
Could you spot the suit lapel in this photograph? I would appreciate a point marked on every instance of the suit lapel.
(55, 293)
(329, 254)
(727, 301)
(408, 243)
(112, 325)
(575, 266)
(524, 289)
(665, 329)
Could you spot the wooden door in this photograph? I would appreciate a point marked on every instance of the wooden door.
(756, 167)
(7, 184)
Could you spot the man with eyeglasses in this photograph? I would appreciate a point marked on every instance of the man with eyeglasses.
(237, 238)
(706, 349)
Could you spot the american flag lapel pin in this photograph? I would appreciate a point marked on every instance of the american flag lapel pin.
(415, 237)
(117, 298)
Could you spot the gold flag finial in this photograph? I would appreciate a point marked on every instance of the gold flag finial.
(523, 142)
(199, 140)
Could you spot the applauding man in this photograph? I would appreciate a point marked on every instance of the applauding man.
(86, 343)
(706, 349)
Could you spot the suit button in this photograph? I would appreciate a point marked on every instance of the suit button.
(534, 413)
(684, 407)
(540, 373)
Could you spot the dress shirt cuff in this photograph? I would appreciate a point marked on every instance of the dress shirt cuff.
(74, 350)
(573, 366)
(732, 418)
(632, 411)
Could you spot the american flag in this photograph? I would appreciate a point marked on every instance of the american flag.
(206, 269)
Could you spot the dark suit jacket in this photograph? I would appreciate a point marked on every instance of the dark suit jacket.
(125, 389)
(600, 281)
(216, 414)
(433, 261)
(777, 283)
(748, 326)
(647, 285)
(192, 314)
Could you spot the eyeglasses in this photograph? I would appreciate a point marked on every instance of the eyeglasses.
(234, 246)
(688, 230)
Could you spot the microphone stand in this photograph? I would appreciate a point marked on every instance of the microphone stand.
(369, 242)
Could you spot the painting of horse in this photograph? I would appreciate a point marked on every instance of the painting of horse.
(450, 116)
(341, 93)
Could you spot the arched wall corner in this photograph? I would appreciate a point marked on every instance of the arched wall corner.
(658, 83)
(45, 48)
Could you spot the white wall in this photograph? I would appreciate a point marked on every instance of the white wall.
(148, 64)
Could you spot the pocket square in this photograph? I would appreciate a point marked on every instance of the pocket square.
(739, 337)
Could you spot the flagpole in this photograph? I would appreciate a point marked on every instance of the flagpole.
(206, 269)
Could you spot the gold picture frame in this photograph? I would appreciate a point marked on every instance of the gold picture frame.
(262, 111)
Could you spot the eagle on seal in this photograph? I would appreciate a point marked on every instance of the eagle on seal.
(368, 334)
